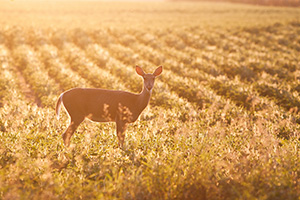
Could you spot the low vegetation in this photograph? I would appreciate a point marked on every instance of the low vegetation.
(223, 121)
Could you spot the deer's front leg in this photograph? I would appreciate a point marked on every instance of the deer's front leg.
(121, 127)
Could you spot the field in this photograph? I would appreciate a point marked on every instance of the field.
(223, 121)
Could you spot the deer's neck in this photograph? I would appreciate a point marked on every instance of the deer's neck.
(143, 99)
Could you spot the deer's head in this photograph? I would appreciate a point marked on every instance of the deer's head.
(148, 78)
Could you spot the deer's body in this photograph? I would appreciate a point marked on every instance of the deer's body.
(102, 105)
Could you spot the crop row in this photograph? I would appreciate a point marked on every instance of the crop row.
(279, 37)
(59, 70)
(116, 65)
(45, 88)
(106, 58)
(283, 67)
(56, 67)
(183, 86)
(280, 61)
(194, 76)
(161, 96)
(240, 97)
(89, 70)
(84, 62)
(230, 66)
(251, 58)
(35, 82)
(120, 66)
(8, 83)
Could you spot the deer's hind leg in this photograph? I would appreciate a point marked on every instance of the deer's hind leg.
(70, 130)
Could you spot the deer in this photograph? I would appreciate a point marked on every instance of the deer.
(102, 105)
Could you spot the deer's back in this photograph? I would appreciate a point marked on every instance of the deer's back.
(98, 104)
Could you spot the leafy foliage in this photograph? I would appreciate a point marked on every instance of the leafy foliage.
(223, 120)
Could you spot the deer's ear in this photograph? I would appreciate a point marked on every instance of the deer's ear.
(158, 71)
(139, 71)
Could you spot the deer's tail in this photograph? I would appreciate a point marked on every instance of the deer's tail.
(58, 105)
